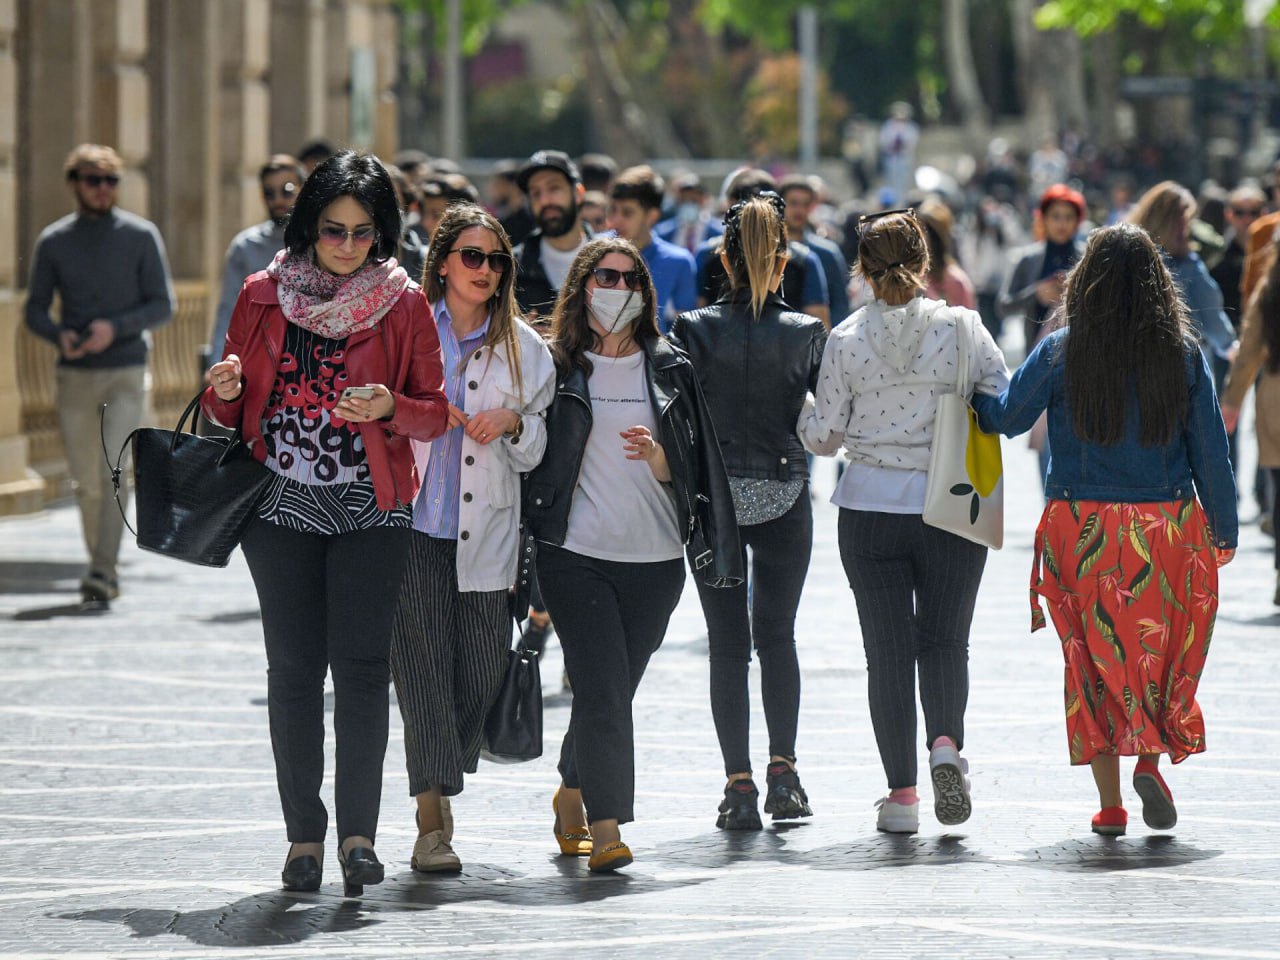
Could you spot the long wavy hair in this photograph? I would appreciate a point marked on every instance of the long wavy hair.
(1267, 301)
(571, 333)
(1161, 212)
(504, 313)
(755, 239)
(1128, 336)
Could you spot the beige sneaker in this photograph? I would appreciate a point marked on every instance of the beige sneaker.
(432, 854)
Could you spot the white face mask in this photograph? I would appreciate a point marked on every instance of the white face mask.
(615, 310)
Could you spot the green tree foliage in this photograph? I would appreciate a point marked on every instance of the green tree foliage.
(1207, 20)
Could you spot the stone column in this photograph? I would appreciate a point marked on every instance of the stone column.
(21, 489)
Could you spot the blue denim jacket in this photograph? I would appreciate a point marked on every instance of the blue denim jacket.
(1127, 472)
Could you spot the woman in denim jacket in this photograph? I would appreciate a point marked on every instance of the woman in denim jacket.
(1126, 555)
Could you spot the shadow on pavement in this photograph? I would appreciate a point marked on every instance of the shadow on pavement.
(725, 848)
(263, 920)
(39, 576)
(76, 609)
(234, 616)
(278, 918)
(1094, 854)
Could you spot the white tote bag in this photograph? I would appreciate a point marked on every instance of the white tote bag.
(965, 491)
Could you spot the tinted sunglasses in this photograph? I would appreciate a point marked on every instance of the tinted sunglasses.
(1247, 211)
(473, 257)
(336, 236)
(608, 277)
(288, 190)
(98, 179)
(868, 217)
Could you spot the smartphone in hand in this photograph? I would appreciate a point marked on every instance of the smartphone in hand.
(360, 393)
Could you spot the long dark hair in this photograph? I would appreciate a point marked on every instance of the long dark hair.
(571, 334)
(1267, 300)
(1128, 334)
(360, 176)
(503, 312)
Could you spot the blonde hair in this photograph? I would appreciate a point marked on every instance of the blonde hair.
(755, 239)
(1161, 212)
(91, 155)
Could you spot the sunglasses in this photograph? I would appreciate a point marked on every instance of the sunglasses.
(98, 179)
(868, 217)
(336, 236)
(473, 257)
(288, 190)
(608, 277)
(1247, 211)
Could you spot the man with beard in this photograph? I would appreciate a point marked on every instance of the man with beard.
(554, 188)
(254, 247)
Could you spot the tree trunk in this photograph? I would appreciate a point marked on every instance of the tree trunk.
(1106, 88)
(963, 76)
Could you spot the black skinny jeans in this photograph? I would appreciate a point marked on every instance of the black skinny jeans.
(916, 588)
(780, 551)
(328, 602)
(610, 618)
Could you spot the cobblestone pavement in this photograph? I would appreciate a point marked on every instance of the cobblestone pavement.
(139, 818)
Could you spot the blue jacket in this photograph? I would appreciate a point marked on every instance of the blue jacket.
(1203, 298)
(1127, 472)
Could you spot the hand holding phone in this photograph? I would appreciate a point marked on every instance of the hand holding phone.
(359, 393)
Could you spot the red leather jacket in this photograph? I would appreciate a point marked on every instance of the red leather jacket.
(402, 352)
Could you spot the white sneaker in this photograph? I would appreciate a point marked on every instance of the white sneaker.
(895, 817)
(949, 772)
(432, 854)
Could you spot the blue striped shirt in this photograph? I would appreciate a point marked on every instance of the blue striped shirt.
(436, 510)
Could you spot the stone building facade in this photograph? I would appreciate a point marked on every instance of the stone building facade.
(194, 95)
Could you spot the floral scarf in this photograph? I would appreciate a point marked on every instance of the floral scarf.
(331, 305)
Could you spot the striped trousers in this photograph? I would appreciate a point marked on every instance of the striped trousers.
(448, 660)
(916, 587)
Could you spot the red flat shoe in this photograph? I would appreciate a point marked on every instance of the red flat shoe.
(1110, 821)
(1158, 811)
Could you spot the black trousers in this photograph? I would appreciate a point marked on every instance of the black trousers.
(610, 618)
(916, 587)
(780, 551)
(1275, 510)
(328, 602)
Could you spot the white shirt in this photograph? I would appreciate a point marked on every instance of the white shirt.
(556, 263)
(620, 511)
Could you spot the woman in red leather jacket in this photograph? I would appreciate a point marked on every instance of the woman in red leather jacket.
(330, 367)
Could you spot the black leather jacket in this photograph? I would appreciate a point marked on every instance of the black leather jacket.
(704, 505)
(755, 374)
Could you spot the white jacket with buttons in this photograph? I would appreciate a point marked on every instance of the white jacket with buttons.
(489, 475)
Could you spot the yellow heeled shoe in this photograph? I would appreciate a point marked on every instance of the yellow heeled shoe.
(575, 843)
(612, 856)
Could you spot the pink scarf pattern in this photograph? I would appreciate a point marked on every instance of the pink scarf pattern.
(331, 305)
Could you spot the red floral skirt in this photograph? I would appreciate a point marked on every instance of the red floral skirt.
(1133, 590)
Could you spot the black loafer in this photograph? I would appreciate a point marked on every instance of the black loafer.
(359, 867)
(301, 874)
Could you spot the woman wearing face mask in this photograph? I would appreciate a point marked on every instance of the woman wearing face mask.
(756, 360)
(449, 652)
(328, 548)
(631, 478)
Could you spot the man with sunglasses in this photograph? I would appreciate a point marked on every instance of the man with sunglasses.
(109, 270)
(554, 190)
(254, 247)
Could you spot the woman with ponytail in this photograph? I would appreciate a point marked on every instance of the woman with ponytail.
(756, 360)
(915, 585)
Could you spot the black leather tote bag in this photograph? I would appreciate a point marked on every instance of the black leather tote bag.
(513, 727)
(195, 495)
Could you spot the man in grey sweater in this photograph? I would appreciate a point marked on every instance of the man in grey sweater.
(253, 248)
(108, 267)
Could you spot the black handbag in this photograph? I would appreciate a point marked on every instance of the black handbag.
(195, 495)
(513, 727)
